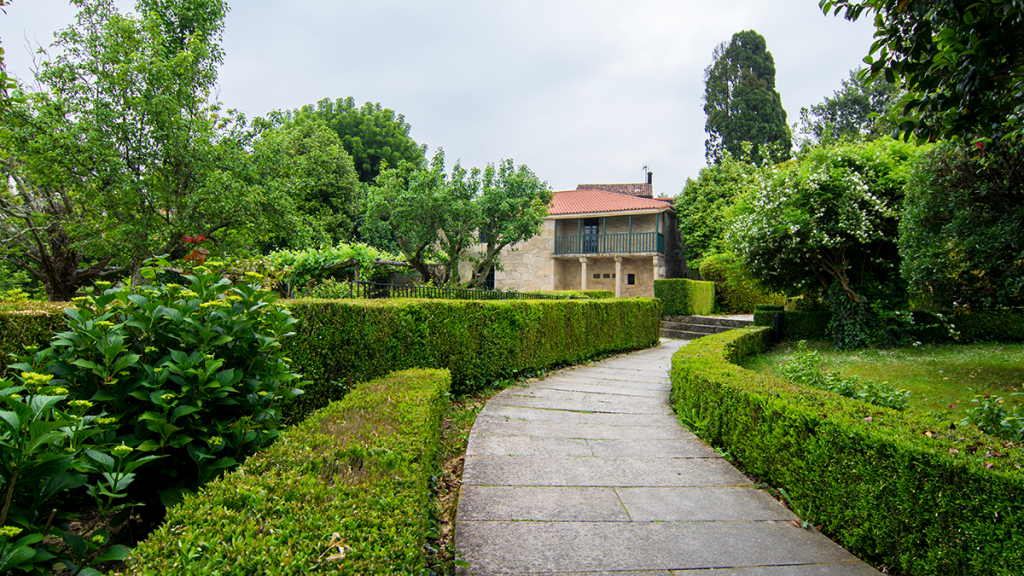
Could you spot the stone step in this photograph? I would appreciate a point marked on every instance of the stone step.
(693, 327)
(682, 334)
(709, 321)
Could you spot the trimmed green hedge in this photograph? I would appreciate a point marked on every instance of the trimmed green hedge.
(31, 327)
(685, 297)
(892, 488)
(972, 325)
(355, 476)
(796, 325)
(339, 342)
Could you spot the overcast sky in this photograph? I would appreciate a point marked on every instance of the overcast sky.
(581, 91)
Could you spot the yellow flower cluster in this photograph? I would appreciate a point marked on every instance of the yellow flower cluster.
(36, 379)
(222, 304)
(188, 294)
(122, 450)
(80, 404)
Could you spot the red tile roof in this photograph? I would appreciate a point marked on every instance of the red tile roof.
(598, 201)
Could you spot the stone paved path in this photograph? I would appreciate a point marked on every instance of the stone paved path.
(589, 473)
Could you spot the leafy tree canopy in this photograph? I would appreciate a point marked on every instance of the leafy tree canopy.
(742, 104)
(962, 64)
(121, 154)
(305, 161)
(704, 207)
(962, 230)
(854, 112)
(438, 217)
(829, 216)
(371, 134)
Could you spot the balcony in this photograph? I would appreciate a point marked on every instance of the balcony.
(632, 243)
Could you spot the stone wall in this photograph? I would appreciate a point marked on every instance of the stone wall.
(527, 266)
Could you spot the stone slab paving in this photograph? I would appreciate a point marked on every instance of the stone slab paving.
(588, 473)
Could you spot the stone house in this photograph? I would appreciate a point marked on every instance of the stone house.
(599, 237)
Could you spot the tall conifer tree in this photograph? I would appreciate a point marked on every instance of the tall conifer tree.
(742, 104)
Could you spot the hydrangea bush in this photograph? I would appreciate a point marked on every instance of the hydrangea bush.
(151, 391)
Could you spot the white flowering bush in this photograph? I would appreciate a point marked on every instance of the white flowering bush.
(828, 217)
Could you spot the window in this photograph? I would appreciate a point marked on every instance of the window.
(631, 279)
(597, 275)
(607, 275)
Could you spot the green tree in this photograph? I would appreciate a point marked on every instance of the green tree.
(122, 153)
(436, 217)
(511, 208)
(742, 104)
(372, 135)
(854, 112)
(962, 64)
(704, 207)
(305, 161)
(962, 230)
(408, 203)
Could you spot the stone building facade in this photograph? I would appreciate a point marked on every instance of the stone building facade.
(598, 237)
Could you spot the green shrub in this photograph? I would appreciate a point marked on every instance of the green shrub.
(683, 297)
(735, 292)
(797, 325)
(194, 374)
(340, 342)
(805, 368)
(889, 486)
(48, 450)
(352, 479)
(34, 324)
(769, 308)
(965, 325)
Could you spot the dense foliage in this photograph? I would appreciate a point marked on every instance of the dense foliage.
(742, 104)
(888, 486)
(436, 216)
(704, 207)
(826, 223)
(345, 492)
(148, 394)
(735, 291)
(962, 230)
(373, 136)
(341, 342)
(961, 62)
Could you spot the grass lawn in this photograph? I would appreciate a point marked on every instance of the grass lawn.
(942, 379)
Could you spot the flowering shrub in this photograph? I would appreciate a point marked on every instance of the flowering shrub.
(43, 455)
(831, 218)
(194, 374)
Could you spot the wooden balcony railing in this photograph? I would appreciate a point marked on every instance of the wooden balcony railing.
(635, 243)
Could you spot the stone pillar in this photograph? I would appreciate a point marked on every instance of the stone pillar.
(618, 276)
(583, 273)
